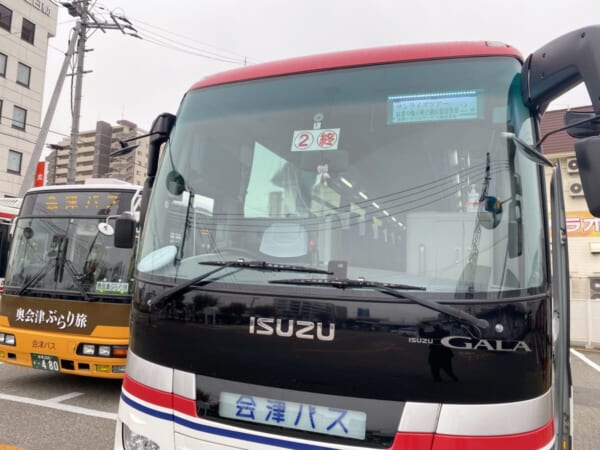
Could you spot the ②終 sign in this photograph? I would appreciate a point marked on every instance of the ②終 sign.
(315, 140)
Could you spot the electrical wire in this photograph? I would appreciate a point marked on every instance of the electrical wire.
(150, 35)
(189, 51)
(221, 49)
(397, 203)
(38, 128)
(16, 137)
(168, 39)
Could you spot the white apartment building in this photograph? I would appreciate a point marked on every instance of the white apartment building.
(25, 28)
(94, 158)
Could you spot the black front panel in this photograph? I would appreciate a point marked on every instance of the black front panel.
(346, 350)
(79, 203)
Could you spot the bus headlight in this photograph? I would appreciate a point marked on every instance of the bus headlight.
(105, 351)
(7, 339)
(134, 441)
(88, 349)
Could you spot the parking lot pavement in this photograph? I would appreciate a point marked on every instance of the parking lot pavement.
(586, 398)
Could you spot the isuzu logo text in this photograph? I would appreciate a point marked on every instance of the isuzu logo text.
(466, 343)
(301, 329)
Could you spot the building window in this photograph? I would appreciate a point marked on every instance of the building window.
(19, 117)
(5, 17)
(14, 161)
(23, 74)
(28, 31)
(2, 65)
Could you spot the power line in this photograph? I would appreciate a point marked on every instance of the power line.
(190, 52)
(19, 92)
(149, 33)
(16, 137)
(37, 128)
(184, 47)
(84, 11)
(187, 38)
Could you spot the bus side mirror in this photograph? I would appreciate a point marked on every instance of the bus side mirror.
(125, 231)
(579, 130)
(160, 131)
(587, 152)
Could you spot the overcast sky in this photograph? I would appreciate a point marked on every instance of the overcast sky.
(136, 79)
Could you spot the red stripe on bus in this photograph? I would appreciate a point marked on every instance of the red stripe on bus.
(160, 398)
(532, 440)
(357, 58)
(148, 394)
(184, 405)
(412, 441)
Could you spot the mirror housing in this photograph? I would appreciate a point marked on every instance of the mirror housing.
(587, 152)
(560, 65)
(589, 126)
(160, 131)
(125, 231)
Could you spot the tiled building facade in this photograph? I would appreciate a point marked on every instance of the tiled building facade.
(25, 28)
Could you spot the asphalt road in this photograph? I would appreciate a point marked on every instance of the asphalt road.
(47, 411)
(41, 410)
(586, 394)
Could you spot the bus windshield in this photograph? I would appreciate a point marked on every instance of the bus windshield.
(58, 247)
(396, 173)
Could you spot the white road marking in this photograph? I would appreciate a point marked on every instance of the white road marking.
(67, 408)
(62, 398)
(586, 360)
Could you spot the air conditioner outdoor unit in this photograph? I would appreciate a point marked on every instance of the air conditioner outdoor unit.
(595, 288)
(572, 166)
(575, 189)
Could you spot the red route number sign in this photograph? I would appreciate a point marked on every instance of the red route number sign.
(314, 140)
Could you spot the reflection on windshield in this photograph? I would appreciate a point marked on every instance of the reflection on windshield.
(67, 254)
(399, 173)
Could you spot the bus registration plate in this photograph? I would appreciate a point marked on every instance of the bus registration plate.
(299, 416)
(45, 362)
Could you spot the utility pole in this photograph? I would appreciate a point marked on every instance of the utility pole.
(78, 87)
(39, 145)
(87, 21)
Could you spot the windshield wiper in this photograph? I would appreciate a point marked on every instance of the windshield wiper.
(56, 263)
(392, 290)
(77, 278)
(264, 265)
(37, 277)
(343, 283)
(159, 300)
